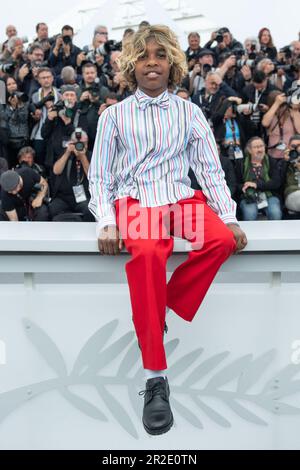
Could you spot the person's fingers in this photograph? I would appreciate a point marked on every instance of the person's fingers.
(100, 247)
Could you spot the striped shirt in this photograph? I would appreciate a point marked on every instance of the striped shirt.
(144, 149)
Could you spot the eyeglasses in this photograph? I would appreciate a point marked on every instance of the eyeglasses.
(104, 34)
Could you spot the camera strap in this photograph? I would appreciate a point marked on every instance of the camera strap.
(76, 118)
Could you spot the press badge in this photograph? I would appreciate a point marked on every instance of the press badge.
(79, 193)
(238, 154)
(262, 201)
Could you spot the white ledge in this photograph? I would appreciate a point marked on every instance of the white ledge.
(52, 237)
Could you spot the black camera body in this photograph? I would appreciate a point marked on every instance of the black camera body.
(21, 96)
(8, 68)
(294, 155)
(79, 146)
(67, 40)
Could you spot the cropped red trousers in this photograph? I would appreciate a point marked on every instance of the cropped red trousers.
(146, 271)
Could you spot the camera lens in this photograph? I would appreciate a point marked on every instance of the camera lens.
(79, 146)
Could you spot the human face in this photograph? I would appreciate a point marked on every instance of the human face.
(11, 31)
(295, 145)
(11, 85)
(37, 55)
(45, 79)
(103, 36)
(89, 75)
(227, 39)
(152, 69)
(27, 158)
(71, 97)
(207, 60)
(257, 150)
(113, 61)
(212, 84)
(265, 38)
(296, 49)
(194, 42)
(43, 32)
(268, 67)
(261, 86)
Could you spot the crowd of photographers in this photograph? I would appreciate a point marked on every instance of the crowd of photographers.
(52, 94)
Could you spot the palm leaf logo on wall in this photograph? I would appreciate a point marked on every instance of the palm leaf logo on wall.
(95, 355)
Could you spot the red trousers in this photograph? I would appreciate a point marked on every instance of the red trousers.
(146, 271)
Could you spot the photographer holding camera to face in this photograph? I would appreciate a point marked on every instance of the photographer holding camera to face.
(259, 182)
(63, 118)
(224, 41)
(13, 57)
(203, 64)
(292, 182)
(64, 52)
(71, 193)
(23, 194)
(42, 100)
(28, 73)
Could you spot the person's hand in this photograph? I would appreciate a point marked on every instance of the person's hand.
(235, 99)
(230, 62)
(109, 241)
(37, 202)
(280, 99)
(70, 148)
(286, 155)
(247, 111)
(213, 36)
(280, 73)
(240, 237)
(246, 72)
(264, 108)
(297, 164)
(85, 96)
(196, 70)
(52, 114)
(59, 42)
(102, 108)
(80, 58)
(249, 184)
(13, 101)
(65, 119)
(23, 72)
(80, 155)
(37, 114)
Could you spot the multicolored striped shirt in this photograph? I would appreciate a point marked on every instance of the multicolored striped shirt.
(144, 149)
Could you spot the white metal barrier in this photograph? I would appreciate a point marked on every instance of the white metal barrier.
(70, 368)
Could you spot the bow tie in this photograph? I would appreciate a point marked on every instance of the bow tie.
(162, 101)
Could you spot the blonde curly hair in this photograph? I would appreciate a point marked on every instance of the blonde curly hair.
(136, 47)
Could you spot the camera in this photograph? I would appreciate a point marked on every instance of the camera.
(64, 107)
(219, 37)
(34, 106)
(251, 196)
(79, 146)
(287, 50)
(206, 69)
(67, 40)
(294, 155)
(293, 96)
(8, 68)
(108, 47)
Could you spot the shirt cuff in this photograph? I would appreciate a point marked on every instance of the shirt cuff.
(229, 219)
(109, 220)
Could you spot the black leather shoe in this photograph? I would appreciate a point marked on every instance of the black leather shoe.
(157, 414)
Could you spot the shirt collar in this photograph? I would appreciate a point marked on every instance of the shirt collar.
(143, 100)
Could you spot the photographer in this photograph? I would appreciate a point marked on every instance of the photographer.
(225, 42)
(194, 49)
(228, 129)
(26, 159)
(42, 100)
(204, 63)
(258, 182)
(22, 195)
(92, 96)
(63, 117)
(111, 99)
(234, 76)
(267, 47)
(16, 115)
(292, 183)
(209, 98)
(71, 188)
(43, 39)
(274, 72)
(255, 103)
(28, 73)
(282, 121)
(64, 52)
(13, 57)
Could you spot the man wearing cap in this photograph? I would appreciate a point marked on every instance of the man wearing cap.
(21, 199)
(61, 122)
